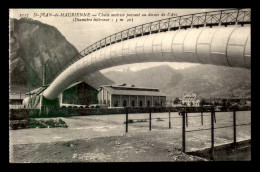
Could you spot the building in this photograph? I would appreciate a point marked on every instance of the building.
(15, 100)
(77, 94)
(33, 99)
(191, 99)
(129, 95)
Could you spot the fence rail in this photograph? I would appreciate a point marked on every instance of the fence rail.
(183, 112)
(220, 17)
(184, 115)
(217, 127)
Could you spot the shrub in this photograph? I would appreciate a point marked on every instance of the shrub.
(245, 108)
(33, 123)
(15, 124)
(130, 121)
(142, 120)
(19, 114)
(159, 119)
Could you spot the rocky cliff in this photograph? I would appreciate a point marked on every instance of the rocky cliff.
(33, 44)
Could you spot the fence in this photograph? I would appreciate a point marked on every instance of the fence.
(57, 111)
(150, 111)
(185, 113)
(212, 129)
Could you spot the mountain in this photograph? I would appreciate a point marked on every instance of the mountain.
(207, 80)
(97, 79)
(139, 78)
(33, 44)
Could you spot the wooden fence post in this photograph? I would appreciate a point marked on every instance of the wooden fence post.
(201, 117)
(169, 118)
(150, 119)
(212, 135)
(126, 120)
(183, 131)
(234, 126)
(186, 113)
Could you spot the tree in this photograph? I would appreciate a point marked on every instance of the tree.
(202, 102)
(228, 104)
(223, 101)
(176, 100)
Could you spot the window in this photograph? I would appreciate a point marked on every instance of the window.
(116, 103)
(125, 103)
(141, 103)
(148, 103)
(133, 103)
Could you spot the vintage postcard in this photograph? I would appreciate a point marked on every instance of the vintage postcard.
(129, 85)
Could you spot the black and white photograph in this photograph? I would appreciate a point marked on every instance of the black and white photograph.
(91, 85)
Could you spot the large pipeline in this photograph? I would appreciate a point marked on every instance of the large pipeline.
(225, 46)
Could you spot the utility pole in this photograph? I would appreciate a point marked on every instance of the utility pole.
(44, 74)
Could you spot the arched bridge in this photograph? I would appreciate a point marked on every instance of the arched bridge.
(220, 37)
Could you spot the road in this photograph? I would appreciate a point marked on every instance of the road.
(103, 133)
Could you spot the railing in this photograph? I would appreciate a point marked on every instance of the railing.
(220, 17)
(151, 110)
(187, 114)
(184, 114)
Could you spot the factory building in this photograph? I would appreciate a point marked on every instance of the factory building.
(130, 96)
(78, 94)
(33, 99)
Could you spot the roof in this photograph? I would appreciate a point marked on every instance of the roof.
(190, 96)
(129, 87)
(73, 84)
(132, 90)
(38, 90)
(42, 88)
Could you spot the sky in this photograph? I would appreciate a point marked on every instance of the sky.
(84, 33)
